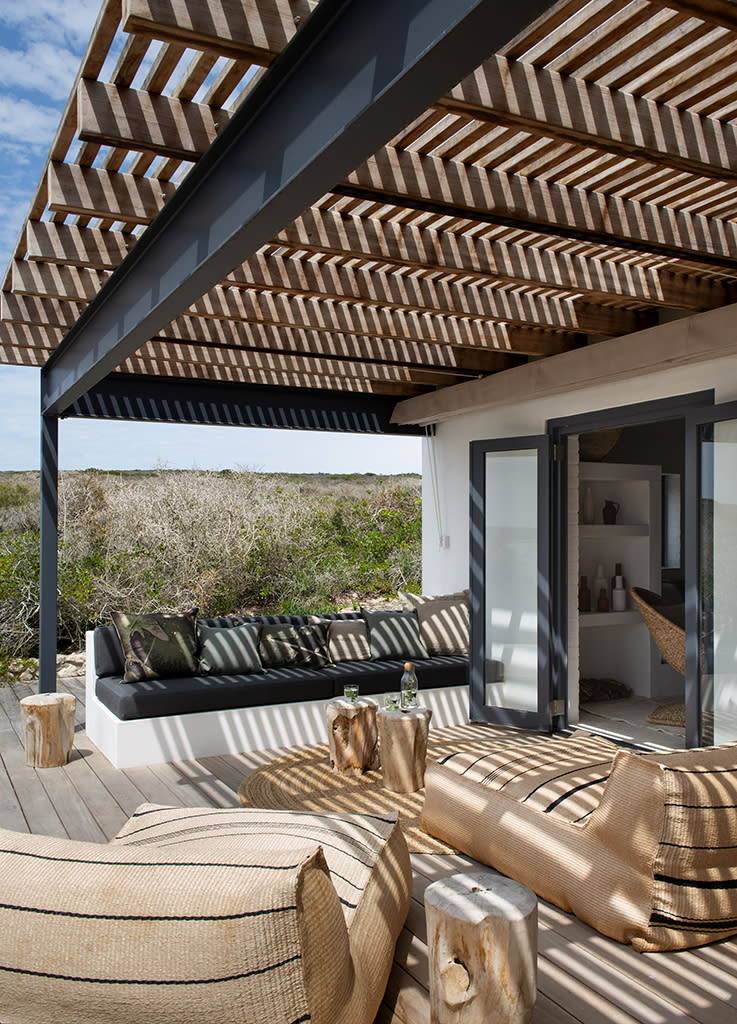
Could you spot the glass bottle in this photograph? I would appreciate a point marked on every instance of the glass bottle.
(409, 686)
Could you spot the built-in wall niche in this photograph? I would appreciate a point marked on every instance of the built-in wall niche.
(619, 524)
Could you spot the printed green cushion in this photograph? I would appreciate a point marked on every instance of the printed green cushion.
(394, 635)
(298, 646)
(348, 640)
(157, 646)
(443, 621)
(229, 649)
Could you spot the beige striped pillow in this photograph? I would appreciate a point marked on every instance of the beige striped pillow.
(443, 621)
(180, 934)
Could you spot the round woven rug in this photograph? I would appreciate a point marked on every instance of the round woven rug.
(668, 714)
(304, 781)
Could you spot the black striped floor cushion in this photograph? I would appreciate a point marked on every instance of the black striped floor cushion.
(210, 927)
(563, 777)
(643, 847)
(695, 871)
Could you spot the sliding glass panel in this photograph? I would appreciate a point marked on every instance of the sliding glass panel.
(511, 580)
(510, 669)
(718, 581)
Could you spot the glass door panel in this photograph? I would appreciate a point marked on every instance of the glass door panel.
(510, 665)
(717, 613)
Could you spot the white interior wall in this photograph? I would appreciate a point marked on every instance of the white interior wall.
(445, 568)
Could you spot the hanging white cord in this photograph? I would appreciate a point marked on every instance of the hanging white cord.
(430, 437)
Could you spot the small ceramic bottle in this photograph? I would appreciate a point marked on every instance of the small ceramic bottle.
(619, 595)
(584, 596)
(588, 506)
(600, 583)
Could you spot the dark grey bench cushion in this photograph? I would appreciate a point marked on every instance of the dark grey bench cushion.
(155, 698)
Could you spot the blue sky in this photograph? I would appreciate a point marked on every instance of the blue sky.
(41, 45)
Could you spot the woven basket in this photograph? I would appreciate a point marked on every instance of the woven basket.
(665, 622)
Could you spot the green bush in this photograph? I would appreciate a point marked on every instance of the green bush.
(226, 543)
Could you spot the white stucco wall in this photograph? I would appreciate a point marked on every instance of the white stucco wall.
(445, 567)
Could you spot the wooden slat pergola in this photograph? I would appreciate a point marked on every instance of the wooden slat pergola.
(305, 209)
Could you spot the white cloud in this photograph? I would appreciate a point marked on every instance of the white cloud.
(39, 68)
(54, 20)
(30, 123)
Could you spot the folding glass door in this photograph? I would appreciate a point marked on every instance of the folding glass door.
(711, 578)
(510, 642)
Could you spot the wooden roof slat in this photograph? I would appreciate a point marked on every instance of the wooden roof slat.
(492, 195)
(300, 341)
(227, 82)
(225, 27)
(377, 321)
(97, 193)
(31, 309)
(418, 294)
(77, 246)
(399, 245)
(138, 120)
(166, 62)
(130, 60)
(274, 361)
(573, 184)
(196, 74)
(180, 368)
(659, 40)
(56, 281)
(714, 12)
(546, 102)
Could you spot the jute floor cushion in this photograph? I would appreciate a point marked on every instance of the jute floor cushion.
(202, 916)
(642, 847)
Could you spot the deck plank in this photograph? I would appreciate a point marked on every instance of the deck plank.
(583, 977)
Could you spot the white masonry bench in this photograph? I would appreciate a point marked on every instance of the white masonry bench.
(199, 716)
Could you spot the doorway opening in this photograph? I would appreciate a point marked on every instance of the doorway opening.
(626, 530)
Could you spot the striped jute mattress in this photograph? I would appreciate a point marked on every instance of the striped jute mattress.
(642, 846)
(195, 916)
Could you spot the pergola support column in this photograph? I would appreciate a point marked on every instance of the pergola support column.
(49, 553)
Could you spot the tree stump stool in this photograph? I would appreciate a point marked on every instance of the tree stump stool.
(48, 728)
(403, 745)
(352, 735)
(482, 950)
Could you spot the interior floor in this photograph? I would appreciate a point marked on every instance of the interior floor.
(624, 720)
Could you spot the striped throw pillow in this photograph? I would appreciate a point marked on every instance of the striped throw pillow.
(171, 934)
(443, 621)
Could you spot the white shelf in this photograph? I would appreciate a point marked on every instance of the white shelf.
(617, 644)
(600, 531)
(626, 618)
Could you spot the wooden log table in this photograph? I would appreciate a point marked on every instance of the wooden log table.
(482, 949)
(403, 746)
(48, 728)
(352, 735)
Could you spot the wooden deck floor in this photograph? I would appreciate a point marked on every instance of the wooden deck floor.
(582, 976)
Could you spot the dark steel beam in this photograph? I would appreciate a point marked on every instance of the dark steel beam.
(49, 553)
(162, 400)
(352, 77)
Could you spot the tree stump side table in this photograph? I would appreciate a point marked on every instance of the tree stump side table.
(352, 735)
(48, 728)
(403, 745)
(482, 950)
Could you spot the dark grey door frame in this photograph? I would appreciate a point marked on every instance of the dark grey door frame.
(686, 407)
(698, 732)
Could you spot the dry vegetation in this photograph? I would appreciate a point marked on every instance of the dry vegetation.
(226, 542)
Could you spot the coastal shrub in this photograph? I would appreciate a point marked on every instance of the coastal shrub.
(227, 543)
